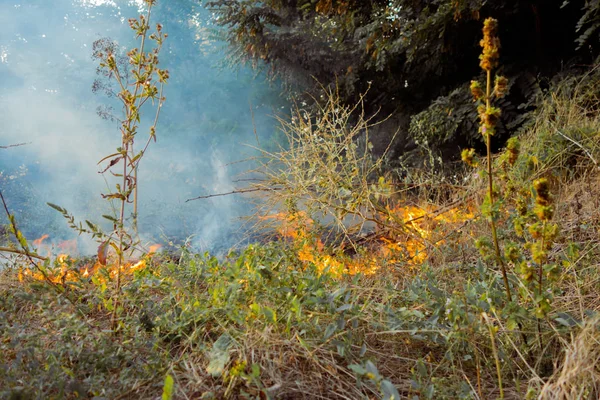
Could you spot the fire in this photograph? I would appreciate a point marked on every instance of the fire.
(68, 246)
(153, 248)
(60, 273)
(38, 242)
(425, 226)
(137, 266)
(297, 227)
(64, 270)
(44, 245)
(293, 226)
(423, 229)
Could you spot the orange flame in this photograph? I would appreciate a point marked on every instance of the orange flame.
(426, 223)
(154, 248)
(65, 271)
(38, 242)
(426, 226)
(292, 226)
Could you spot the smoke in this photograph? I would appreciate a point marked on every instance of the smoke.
(46, 73)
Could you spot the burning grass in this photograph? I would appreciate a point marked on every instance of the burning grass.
(281, 320)
(419, 231)
(412, 310)
(292, 319)
(68, 269)
(65, 271)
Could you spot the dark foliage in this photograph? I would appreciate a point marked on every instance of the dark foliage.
(413, 56)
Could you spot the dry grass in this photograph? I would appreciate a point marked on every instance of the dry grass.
(578, 376)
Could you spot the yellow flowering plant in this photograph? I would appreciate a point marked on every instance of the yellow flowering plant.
(489, 117)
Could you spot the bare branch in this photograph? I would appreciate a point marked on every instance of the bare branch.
(14, 145)
(21, 252)
(587, 152)
(237, 191)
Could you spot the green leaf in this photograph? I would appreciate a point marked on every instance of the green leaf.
(344, 307)
(338, 293)
(389, 390)
(57, 208)
(168, 388)
(357, 369)
(110, 218)
(363, 350)
(219, 355)
(270, 314)
(512, 324)
(255, 370)
(91, 225)
(331, 328)
(566, 320)
(371, 368)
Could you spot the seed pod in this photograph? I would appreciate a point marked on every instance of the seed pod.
(513, 147)
(542, 188)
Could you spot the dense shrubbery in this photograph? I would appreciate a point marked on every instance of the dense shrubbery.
(415, 56)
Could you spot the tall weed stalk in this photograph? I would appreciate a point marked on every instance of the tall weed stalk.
(136, 81)
(489, 117)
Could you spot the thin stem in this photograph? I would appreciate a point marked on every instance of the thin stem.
(21, 252)
(540, 282)
(121, 228)
(141, 102)
(13, 145)
(478, 370)
(134, 216)
(491, 191)
(127, 141)
(495, 352)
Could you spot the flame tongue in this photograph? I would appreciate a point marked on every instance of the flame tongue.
(154, 248)
(38, 242)
(65, 270)
(426, 225)
(68, 246)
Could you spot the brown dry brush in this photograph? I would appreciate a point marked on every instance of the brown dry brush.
(579, 374)
(326, 167)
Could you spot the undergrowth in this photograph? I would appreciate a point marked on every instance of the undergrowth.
(470, 319)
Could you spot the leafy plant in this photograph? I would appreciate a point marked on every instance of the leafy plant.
(135, 88)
